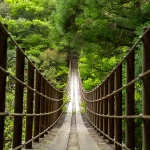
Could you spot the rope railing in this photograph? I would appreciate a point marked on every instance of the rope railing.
(104, 102)
(44, 102)
(25, 85)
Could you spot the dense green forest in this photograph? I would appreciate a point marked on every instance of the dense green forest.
(99, 32)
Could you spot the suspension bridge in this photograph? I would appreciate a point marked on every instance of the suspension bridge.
(47, 127)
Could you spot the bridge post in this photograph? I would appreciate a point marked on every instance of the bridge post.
(94, 108)
(93, 104)
(146, 90)
(97, 107)
(29, 105)
(62, 94)
(46, 104)
(111, 107)
(118, 107)
(37, 106)
(50, 105)
(3, 60)
(53, 106)
(101, 109)
(89, 98)
(17, 133)
(90, 106)
(42, 105)
(130, 129)
(87, 104)
(105, 109)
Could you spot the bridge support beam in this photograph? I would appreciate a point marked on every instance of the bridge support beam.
(46, 104)
(118, 107)
(146, 90)
(101, 109)
(3, 57)
(17, 133)
(98, 107)
(50, 106)
(37, 106)
(42, 106)
(30, 97)
(105, 109)
(111, 107)
(130, 129)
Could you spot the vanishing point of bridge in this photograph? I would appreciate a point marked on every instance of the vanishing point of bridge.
(43, 116)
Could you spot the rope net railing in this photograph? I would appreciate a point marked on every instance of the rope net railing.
(111, 107)
(37, 103)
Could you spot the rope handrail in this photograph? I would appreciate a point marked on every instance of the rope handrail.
(30, 88)
(33, 114)
(140, 76)
(141, 116)
(37, 136)
(113, 140)
(113, 102)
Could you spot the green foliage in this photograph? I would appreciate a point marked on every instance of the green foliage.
(53, 66)
(98, 69)
(4, 9)
(31, 9)
(24, 32)
(106, 30)
(66, 100)
(62, 20)
(28, 23)
(99, 30)
(82, 107)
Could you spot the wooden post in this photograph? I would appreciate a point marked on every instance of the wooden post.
(118, 107)
(146, 90)
(105, 109)
(42, 105)
(37, 106)
(17, 133)
(30, 96)
(111, 108)
(46, 104)
(101, 109)
(130, 129)
(3, 60)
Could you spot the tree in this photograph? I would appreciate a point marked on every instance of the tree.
(4, 9)
(54, 69)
